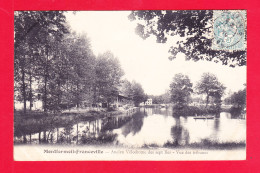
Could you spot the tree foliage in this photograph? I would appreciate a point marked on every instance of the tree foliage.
(238, 99)
(126, 88)
(211, 87)
(138, 93)
(180, 88)
(108, 73)
(164, 98)
(80, 65)
(58, 66)
(193, 27)
(35, 33)
(134, 91)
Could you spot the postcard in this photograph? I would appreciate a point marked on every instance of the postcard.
(130, 85)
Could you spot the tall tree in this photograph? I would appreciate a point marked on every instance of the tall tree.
(80, 69)
(194, 27)
(180, 89)
(138, 93)
(126, 88)
(108, 73)
(35, 33)
(211, 87)
(21, 68)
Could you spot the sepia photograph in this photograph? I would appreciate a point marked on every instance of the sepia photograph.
(130, 85)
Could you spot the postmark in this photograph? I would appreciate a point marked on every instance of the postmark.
(229, 30)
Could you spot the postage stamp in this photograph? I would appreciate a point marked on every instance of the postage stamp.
(229, 30)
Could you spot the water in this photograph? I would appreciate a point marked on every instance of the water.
(150, 127)
(157, 127)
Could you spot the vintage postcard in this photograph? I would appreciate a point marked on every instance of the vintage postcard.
(130, 85)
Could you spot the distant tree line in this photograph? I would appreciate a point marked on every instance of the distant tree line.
(58, 67)
(161, 99)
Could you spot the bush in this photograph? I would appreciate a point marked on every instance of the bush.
(187, 111)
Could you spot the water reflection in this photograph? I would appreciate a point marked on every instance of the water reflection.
(148, 127)
(179, 134)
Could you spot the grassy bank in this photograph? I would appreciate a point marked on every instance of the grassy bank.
(204, 144)
(202, 110)
(192, 111)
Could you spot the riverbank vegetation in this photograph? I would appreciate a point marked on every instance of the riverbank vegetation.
(181, 89)
(205, 97)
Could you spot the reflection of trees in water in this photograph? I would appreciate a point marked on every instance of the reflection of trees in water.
(111, 123)
(94, 130)
(135, 125)
(157, 111)
(75, 133)
(180, 135)
(90, 134)
(215, 132)
(147, 111)
(26, 128)
(216, 126)
(66, 134)
(162, 111)
(103, 137)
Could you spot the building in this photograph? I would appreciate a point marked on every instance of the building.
(147, 102)
(123, 101)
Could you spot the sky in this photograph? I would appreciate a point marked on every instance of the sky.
(146, 61)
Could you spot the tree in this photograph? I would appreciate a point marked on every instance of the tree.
(180, 89)
(134, 91)
(79, 65)
(33, 32)
(161, 99)
(210, 86)
(238, 99)
(193, 27)
(166, 97)
(138, 93)
(37, 35)
(126, 88)
(21, 81)
(156, 99)
(108, 73)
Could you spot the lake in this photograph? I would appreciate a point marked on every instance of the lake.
(151, 127)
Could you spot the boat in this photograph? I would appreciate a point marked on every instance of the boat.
(204, 117)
